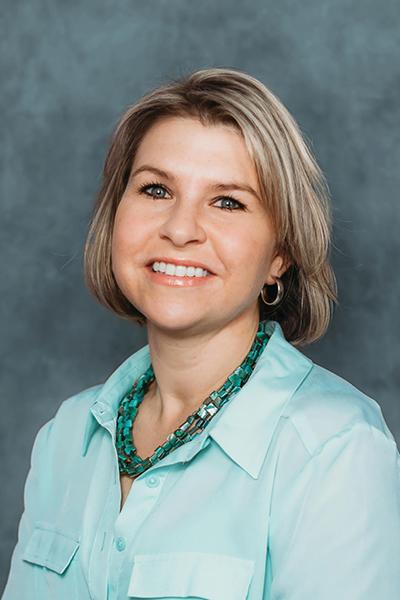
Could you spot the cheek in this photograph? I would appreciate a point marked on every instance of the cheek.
(122, 248)
(248, 254)
(126, 231)
(246, 247)
(123, 252)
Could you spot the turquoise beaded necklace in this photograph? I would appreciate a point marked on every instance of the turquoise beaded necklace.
(129, 462)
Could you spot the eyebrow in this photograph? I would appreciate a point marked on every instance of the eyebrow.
(233, 185)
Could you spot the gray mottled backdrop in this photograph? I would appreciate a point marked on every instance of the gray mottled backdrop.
(70, 68)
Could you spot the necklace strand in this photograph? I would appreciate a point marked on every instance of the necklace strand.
(129, 461)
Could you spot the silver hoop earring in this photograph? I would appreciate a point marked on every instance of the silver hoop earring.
(279, 293)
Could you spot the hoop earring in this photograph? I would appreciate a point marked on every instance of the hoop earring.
(279, 293)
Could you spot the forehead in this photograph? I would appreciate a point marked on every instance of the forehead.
(183, 145)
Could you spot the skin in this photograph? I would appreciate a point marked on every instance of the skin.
(190, 329)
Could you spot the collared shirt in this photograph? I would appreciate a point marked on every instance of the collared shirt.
(291, 492)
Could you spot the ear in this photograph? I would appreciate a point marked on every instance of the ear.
(278, 267)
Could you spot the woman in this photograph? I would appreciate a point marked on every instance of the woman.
(256, 473)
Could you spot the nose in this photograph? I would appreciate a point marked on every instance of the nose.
(182, 225)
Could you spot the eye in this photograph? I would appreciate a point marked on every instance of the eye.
(157, 186)
(240, 205)
(144, 188)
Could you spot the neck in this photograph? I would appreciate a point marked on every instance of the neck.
(188, 368)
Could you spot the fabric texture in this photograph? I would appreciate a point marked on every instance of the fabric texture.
(291, 492)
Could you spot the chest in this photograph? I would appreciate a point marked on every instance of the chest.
(146, 440)
(147, 435)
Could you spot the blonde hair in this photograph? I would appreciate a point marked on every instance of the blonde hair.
(292, 186)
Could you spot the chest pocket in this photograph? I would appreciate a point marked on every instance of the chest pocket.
(51, 549)
(195, 575)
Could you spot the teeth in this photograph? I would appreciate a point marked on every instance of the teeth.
(179, 270)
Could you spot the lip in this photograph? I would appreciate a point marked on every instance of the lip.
(180, 261)
(177, 281)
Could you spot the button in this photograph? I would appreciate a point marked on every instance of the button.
(120, 544)
(153, 481)
(101, 409)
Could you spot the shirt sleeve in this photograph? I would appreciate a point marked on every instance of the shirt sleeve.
(337, 531)
(19, 583)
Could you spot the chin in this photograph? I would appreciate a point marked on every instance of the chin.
(173, 322)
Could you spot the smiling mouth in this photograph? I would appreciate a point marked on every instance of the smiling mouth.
(185, 276)
(178, 280)
(181, 269)
(180, 262)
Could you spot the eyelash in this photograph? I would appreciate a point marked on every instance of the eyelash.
(241, 206)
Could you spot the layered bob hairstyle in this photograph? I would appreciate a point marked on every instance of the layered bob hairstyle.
(291, 183)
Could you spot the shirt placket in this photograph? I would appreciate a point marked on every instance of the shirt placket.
(117, 531)
(137, 508)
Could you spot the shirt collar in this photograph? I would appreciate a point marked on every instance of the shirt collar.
(244, 426)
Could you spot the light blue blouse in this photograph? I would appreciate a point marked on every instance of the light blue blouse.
(292, 492)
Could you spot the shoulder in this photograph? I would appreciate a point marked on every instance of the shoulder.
(331, 428)
(68, 423)
(75, 408)
(326, 405)
(78, 404)
(57, 442)
(72, 423)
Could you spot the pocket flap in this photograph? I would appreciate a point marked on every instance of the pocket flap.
(50, 548)
(186, 574)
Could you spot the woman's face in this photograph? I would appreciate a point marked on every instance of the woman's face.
(184, 214)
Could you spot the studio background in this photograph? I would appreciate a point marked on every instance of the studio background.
(69, 70)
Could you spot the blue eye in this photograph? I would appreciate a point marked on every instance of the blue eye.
(154, 185)
(231, 199)
(143, 188)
